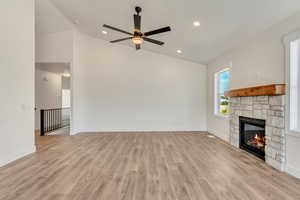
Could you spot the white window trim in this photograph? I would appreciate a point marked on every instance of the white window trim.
(216, 88)
(287, 43)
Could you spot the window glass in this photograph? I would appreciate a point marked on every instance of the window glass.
(222, 85)
(295, 85)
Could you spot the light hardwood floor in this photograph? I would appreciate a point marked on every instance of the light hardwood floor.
(142, 166)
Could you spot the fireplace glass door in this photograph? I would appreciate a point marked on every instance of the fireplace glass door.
(252, 136)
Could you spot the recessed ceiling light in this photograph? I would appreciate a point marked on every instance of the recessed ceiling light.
(104, 32)
(179, 51)
(196, 23)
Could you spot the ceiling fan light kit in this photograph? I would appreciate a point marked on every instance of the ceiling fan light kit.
(137, 36)
(137, 40)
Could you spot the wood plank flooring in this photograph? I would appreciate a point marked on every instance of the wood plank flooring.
(142, 166)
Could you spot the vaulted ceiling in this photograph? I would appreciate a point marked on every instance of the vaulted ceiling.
(224, 23)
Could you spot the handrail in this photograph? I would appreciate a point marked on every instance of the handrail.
(53, 119)
(57, 108)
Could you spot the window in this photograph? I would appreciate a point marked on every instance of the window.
(222, 80)
(294, 83)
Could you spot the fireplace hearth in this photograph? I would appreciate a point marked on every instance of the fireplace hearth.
(252, 136)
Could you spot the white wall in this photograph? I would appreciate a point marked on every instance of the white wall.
(259, 61)
(16, 79)
(48, 88)
(54, 38)
(119, 89)
(216, 125)
(49, 19)
(54, 47)
(292, 155)
(66, 83)
(292, 108)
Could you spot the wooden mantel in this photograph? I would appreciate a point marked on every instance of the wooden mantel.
(266, 90)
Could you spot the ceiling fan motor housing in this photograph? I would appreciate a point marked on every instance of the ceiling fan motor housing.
(137, 33)
(138, 9)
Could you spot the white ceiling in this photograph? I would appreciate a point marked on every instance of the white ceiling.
(224, 23)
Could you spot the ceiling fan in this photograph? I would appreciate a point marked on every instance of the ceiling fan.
(137, 36)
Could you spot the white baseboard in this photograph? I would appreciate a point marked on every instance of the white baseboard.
(134, 131)
(19, 156)
(222, 137)
(292, 171)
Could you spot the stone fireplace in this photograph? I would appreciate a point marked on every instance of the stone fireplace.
(266, 139)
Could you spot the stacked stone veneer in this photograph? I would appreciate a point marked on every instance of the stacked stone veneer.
(269, 108)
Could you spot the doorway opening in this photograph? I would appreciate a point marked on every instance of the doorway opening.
(52, 99)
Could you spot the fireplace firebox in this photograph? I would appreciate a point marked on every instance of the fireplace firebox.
(252, 136)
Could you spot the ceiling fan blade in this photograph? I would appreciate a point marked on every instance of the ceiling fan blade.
(137, 46)
(120, 40)
(153, 41)
(137, 22)
(158, 31)
(116, 29)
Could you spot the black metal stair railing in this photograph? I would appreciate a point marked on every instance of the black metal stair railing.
(53, 119)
